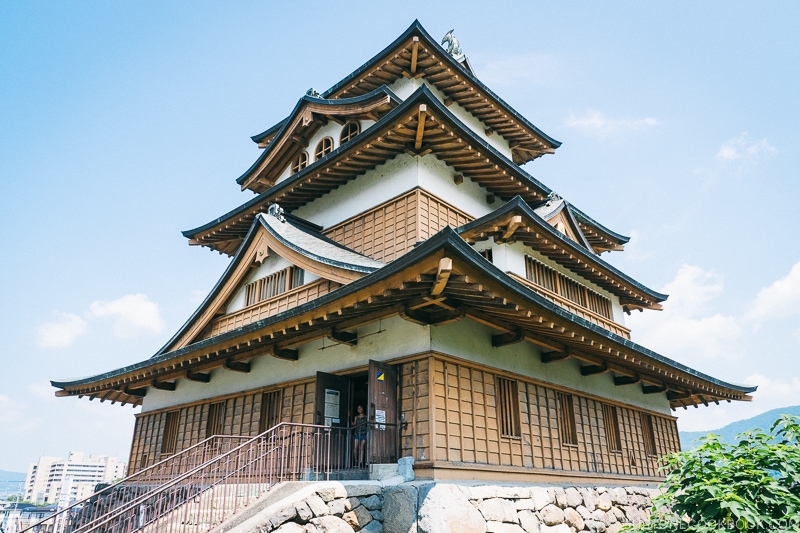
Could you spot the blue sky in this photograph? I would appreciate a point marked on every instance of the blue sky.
(122, 124)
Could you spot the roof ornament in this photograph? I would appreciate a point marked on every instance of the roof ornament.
(276, 211)
(453, 48)
(553, 197)
(313, 93)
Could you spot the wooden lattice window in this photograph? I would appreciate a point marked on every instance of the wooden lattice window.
(566, 419)
(556, 282)
(612, 428)
(169, 440)
(508, 407)
(215, 424)
(350, 130)
(487, 254)
(300, 162)
(273, 285)
(648, 434)
(324, 147)
(270, 410)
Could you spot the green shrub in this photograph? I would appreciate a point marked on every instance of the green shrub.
(751, 486)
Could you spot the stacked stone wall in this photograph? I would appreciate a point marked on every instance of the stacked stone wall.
(429, 507)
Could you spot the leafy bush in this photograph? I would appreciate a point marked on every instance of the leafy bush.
(751, 486)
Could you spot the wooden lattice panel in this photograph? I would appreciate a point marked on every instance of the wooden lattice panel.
(270, 307)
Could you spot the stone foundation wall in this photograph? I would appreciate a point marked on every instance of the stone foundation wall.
(428, 507)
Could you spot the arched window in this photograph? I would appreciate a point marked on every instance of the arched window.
(350, 130)
(300, 162)
(324, 147)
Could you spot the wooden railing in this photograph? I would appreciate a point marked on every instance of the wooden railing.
(574, 308)
(270, 307)
(202, 487)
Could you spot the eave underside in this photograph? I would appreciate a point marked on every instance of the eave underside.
(421, 126)
(422, 292)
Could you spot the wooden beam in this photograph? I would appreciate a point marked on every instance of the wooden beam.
(505, 339)
(678, 395)
(414, 53)
(343, 337)
(442, 275)
(626, 380)
(516, 222)
(236, 366)
(552, 357)
(163, 385)
(589, 370)
(448, 102)
(139, 393)
(421, 115)
(654, 389)
(283, 353)
(200, 377)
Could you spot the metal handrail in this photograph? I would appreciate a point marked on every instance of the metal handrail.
(224, 484)
(159, 468)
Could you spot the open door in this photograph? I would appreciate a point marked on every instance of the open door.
(383, 412)
(332, 400)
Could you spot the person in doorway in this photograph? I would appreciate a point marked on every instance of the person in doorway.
(359, 436)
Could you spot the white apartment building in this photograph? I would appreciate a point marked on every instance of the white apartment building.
(79, 474)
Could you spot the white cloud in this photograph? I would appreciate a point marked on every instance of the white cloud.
(779, 300)
(599, 125)
(133, 314)
(743, 149)
(518, 70)
(62, 332)
(681, 331)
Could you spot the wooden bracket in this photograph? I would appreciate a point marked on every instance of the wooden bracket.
(448, 102)
(201, 377)
(654, 389)
(442, 275)
(236, 366)
(458, 179)
(433, 318)
(283, 353)
(163, 385)
(516, 222)
(589, 370)
(552, 357)
(489, 132)
(505, 339)
(423, 113)
(343, 337)
(414, 53)
(678, 395)
(626, 380)
(139, 393)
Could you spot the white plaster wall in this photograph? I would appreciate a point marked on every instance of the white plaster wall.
(473, 341)
(391, 179)
(397, 337)
(332, 130)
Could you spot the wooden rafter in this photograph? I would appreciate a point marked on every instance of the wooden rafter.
(421, 115)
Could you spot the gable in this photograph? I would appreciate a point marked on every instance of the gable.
(276, 258)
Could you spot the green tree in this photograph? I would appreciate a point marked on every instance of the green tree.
(751, 486)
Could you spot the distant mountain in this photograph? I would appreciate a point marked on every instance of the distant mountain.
(729, 432)
(11, 476)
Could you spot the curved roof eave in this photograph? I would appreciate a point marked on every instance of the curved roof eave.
(446, 239)
(583, 217)
(281, 126)
(416, 27)
(422, 93)
(517, 203)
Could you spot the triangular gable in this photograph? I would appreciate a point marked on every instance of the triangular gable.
(284, 143)
(273, 235)
(555, 211)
